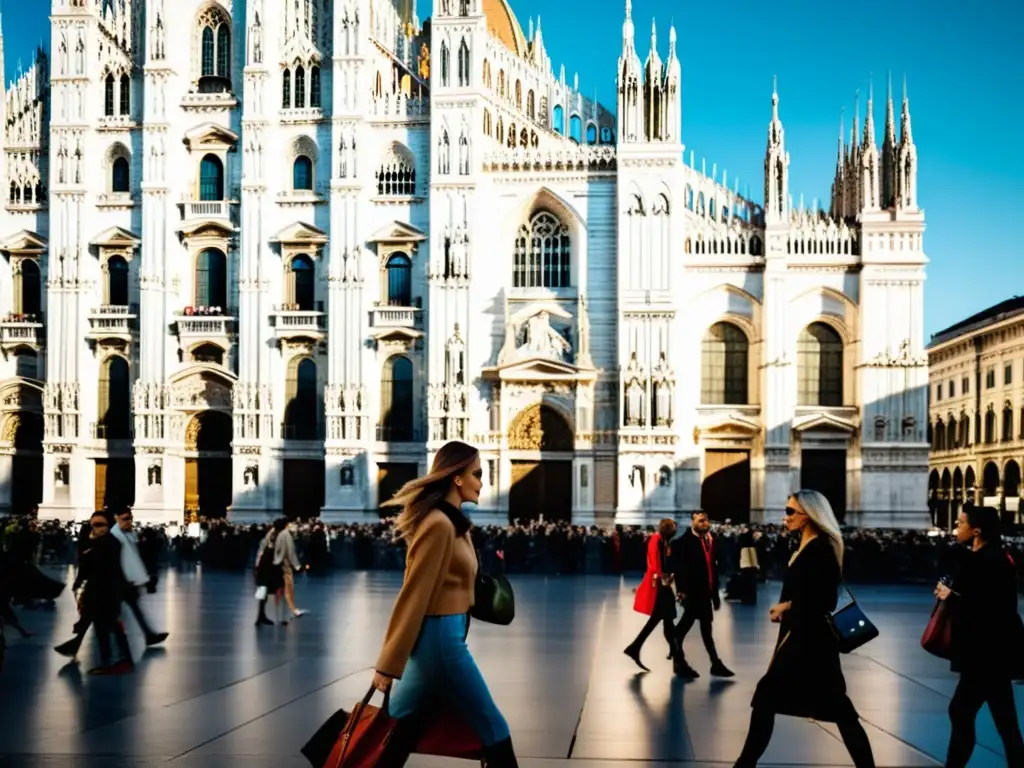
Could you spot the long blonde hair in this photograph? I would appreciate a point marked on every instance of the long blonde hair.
(823, 518)
(418, 497)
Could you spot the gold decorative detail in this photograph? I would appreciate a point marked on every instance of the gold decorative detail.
(696, 435)
(192, 434)
(540, 428)
(424, 63)
(11, 427)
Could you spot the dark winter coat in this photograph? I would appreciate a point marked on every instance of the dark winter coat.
(804, 678)
(690, 566)
(99, 569)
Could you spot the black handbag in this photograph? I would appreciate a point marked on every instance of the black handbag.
(494, 601)
(851, 626)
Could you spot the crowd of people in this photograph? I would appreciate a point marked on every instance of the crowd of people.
(872, 555)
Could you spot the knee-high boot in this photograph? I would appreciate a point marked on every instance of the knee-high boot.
(500, 755)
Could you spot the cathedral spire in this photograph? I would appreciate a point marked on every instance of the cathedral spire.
(673, 92)
(630, 95)
(906, 169)
(776, 166)
(889, 149)
(869, 176)
(653, 90)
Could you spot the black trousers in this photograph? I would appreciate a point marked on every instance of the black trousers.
(664, 613)
(131, 599)
(694, 612)
(974, 690)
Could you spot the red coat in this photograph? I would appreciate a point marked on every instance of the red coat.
(647, 592)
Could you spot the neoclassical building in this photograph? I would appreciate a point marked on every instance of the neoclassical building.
(272, 254)
(976, 413)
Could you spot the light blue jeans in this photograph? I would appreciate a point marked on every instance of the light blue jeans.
(441, 669)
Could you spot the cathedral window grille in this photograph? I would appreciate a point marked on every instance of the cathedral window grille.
(211, 289)
(117, 281)
(724, 365)
(114, 395)
(591, 133)
(301, 282)
(27, 288)
(445, 64)
(396, 176)
(126, 95)
(558, 119)
(463, 64)
(396, 400)
(286, 90)
(399, 275)
(314, 87)
(302, 174)
(301, 414)
(543, 254)
(576, 129)
(531, 107)
(211, 178)
(108, 100)
(819, 366)
(120, 172)
(215, 44)
(300, 88)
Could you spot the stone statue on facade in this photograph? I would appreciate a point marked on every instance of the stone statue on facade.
(543, 340)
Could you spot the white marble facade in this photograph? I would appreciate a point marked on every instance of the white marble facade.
(271, 254)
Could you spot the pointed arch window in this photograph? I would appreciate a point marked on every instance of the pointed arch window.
(28, 288)
(519, 94)
(223, 51)
(819, 366)
(487, 74)
(487, 122)
(126, 95)
(576, 129)
(724, 365)
(211, 178)
(301, 414)
(399, 275)
(215, 44)
(464, 68)
(120, 176)
(300, 88)
(286, 90)
(302, 174)
(108, 96)
(445, 64)
(990, 425)
(558, 119)
(531, 106)
(543, 254)
(211, 288)
(117, 281)
(1007, 423)
(314, 87)
(302, 283)
(396, 400)
(591, 133)
(114, 394)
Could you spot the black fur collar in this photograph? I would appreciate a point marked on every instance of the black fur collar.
(459, 520)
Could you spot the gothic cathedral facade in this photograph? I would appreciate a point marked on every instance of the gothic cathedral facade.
(266, 255)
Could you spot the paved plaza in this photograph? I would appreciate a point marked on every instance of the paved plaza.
(224, 694)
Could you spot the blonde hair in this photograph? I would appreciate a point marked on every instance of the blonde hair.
(418, 497)
(820, 513)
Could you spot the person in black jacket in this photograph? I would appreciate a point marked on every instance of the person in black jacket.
(986, 637)
(695, 565)
(804, 677)
(99, 586)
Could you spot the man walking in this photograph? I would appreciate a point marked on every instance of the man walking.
(695, 564)
(136, 575)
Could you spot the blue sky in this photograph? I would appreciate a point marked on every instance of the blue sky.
(961, 60)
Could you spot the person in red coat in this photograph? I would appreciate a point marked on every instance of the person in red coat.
(654, 596)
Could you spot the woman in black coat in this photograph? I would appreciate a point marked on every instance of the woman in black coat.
(804, 677)
(986, 637)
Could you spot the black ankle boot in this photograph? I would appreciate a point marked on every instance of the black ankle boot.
(500, 755)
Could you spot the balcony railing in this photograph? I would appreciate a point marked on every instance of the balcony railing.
(206, 325)
(21, 328)
(113, 319)
(207, 209)
(395, 317)
(288, 320)
(396, 433)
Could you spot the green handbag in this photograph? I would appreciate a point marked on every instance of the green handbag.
(494, 601)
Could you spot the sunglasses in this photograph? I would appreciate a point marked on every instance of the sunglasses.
(790, 511)
(99, 525)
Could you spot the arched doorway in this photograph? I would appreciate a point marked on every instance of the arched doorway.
(1011, 492)
(208, 468)
(989, 482)
(970, 485)
(945, 494)
(542, 444)
(25, 431)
